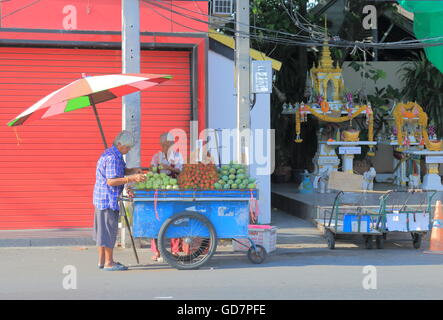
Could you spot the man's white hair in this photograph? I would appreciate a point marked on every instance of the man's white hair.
(125, 138)
(166, 137)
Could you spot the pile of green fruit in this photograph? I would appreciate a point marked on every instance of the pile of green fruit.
(234, 176)
(155, 180)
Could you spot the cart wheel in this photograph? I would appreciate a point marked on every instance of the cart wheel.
(380, 242)
(196, 232)
(330, 238)
(258, 255)
(416, 240)
(368, 242)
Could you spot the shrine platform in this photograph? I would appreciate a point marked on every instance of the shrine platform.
(285, 196)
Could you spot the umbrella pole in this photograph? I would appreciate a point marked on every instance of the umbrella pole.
(123, 212)
(99, 123)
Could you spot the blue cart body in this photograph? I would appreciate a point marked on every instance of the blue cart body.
(227, 210)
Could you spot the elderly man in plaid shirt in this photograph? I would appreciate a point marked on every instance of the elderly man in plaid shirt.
(111, 176)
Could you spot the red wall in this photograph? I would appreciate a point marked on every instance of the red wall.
(105, 15)
(100, 15)
(45, 24)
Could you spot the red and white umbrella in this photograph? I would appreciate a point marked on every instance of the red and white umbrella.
(88, 91)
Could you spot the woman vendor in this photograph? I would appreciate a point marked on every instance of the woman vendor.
(171, 162)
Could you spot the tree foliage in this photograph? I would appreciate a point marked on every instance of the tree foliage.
(424, 83)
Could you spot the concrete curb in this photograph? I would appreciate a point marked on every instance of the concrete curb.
(46, 242)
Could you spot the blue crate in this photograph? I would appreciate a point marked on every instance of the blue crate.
(349, 219)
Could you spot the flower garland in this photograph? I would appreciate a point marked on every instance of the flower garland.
(410, 110)
(326, 118)
(370, 122)
(298, 139)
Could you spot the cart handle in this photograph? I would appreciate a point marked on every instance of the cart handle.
(410, 191)
(368, 191)
(124, 198)
(333, 209)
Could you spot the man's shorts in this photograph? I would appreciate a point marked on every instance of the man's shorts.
(105, 227)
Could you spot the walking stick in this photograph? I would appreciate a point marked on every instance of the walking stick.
(122, 208)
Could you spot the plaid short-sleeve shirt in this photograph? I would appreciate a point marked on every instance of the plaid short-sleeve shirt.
(110, 165)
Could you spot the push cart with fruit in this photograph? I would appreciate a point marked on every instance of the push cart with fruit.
(198, 218)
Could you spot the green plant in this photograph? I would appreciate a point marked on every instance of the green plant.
(423, 84)
(368, 71)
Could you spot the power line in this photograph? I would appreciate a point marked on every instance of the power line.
(163, 5)
(299, 39)
(19, 9)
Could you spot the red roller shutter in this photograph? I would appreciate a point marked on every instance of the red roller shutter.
(48, 167)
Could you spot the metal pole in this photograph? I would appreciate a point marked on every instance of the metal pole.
(375, 40)
(123, 213)
(131, 64)
(242, 76)
(375, 37)
(131, 113)
(99, 124)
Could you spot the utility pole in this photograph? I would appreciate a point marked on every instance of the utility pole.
(375, 38)
(242, 76)
(131, 64)
(131, 113)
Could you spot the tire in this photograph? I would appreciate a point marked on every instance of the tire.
(368, 242)
(189, 225)
(416, 240)
(258, 255)
(330, 239)
(380, 242)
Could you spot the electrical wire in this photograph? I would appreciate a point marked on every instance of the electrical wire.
(163, 5)
(19, 9)
(296, 39)
(335, 39)
(274, 39)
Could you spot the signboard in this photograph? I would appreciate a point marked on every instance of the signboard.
(345, 181)
(349, 150)
(261, 77)
(328, 160)
(434, 159)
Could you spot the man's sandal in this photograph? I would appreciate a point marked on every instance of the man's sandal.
(116, 267)
(101, 266)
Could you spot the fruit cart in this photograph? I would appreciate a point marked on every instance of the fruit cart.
(197, 218)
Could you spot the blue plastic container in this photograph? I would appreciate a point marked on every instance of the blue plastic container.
(306, 185)
(349, 220)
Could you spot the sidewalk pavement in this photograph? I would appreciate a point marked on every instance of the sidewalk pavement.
(46, 238)
(293, 233)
